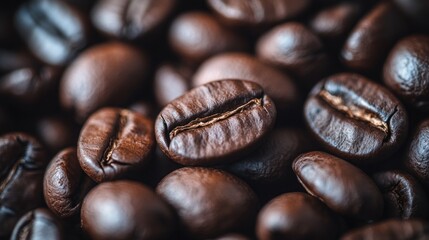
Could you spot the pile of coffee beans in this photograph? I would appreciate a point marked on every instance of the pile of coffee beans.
(214, 119)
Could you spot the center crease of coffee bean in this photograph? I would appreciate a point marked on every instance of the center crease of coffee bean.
(106, 159)
(205, 121)
(353, 111)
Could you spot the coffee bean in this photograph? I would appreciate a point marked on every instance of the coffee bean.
(403, 196)
(53, 30)
(209, 202)
(392, 229)
(114, 143)
(296, 216)
(171, 81)
(144, 108)
(65, 184)
(278, 86)
(215, 123)
(259, 12)
(294, 48)
(38, 224)
(343, 187)
(56, 133)
(126, 210)
(370, 41)
(355, 118)
(416, 10)
(334, 23)
(417, 154)
(195, 36)
(104, 75)
(130, 19)
(22, 161)
(406, 71)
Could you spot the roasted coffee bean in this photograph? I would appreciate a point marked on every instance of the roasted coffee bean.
(56, 133)
(38, 224)
(417, 154)
(215, 123)
(343, 187)
(297, 50)
(65, 184)
(403, 196)
(392, 229)
(130, 19)
(406, 71)
(195, 36)
(144, 108)
(296, 216)
(259, 12)
(334, 23)
(22, 161)
(355, 118)
(416, 10)
(105, 75)
(171, 81)
(126, 210)
(374, 35)
(53, 30)
(114, 143)
(272, 161)
(209, 202)
(280, 87)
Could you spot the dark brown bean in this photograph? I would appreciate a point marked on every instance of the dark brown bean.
(417, 154)
(207, 125)
(171, 81)
(209, 202)
(355, 118)
(343, 187)
(65, 184)
(114, 143)
(38, 224)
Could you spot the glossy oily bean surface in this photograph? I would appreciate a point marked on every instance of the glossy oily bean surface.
(104, 75)
(209, 202)
(53, 30)
(130, 19)
(65, 184)
(296, 49)
(126, 210)
(280, 87)
(406, 71)
(38, 224)
(343, 187)
(195, 36)
(355, 118)
(403, 195)
(296, 216)
(370, 41)
(114, 143)
(215, 122)
(417, 154)
(23, 162)
(258, 12)
(391, 230)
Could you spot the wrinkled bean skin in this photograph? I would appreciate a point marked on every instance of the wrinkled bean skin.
(114, 143)
(209, 202)
(417, 154)
(370, 41)
(257, 13)
(296, 216)
(53, 30)
(355, 118)
(343, 187)
(403, 196)
(391, 230)
(65, 184)
(406, 71)
(204, 126)
(130, 19)
(22, 161)
(38, 224)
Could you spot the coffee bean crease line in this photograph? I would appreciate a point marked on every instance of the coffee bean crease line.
(121, 121)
